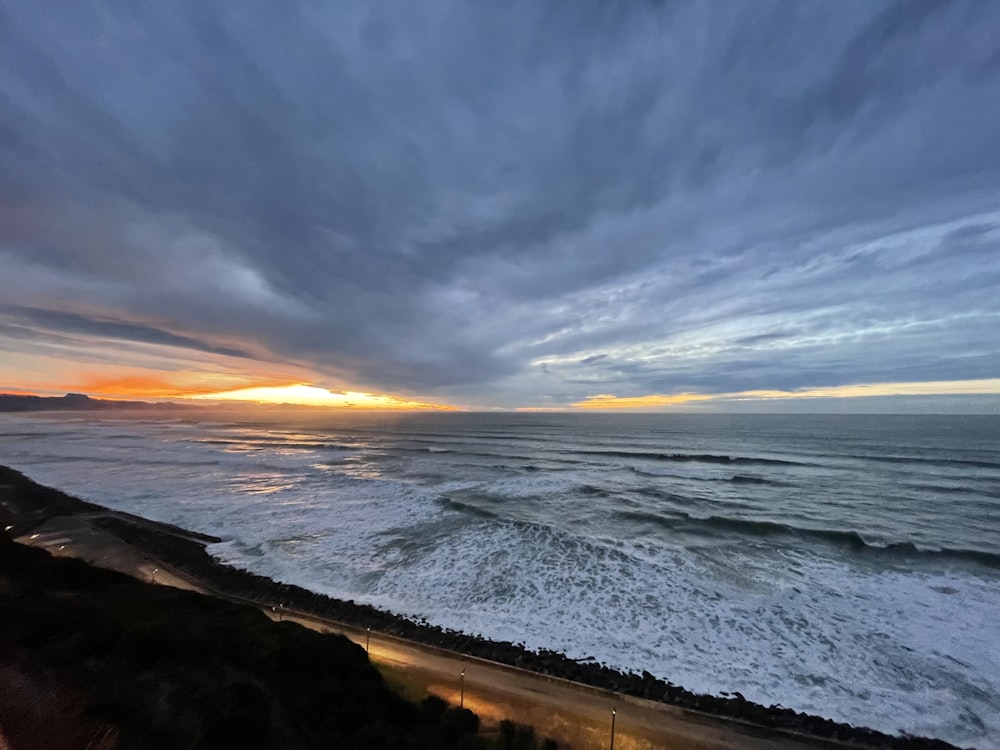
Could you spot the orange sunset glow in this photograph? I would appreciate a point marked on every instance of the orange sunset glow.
(219, 381)
(306, 395)
(183, 385)
(609, 401)
(981, 387)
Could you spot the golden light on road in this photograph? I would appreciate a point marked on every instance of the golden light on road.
(307, 395)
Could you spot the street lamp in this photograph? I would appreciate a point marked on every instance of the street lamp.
(368, 640)
(613, 712)
(153, 577)
(461, 694)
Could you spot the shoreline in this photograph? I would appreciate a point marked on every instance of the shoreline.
(25, 506)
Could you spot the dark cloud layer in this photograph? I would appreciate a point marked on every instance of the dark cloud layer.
(507, 203)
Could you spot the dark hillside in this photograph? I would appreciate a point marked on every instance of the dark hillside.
(94, 659)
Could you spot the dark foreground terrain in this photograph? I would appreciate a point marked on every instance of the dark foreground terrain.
(91, 658)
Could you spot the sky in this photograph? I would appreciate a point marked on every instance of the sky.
(529, 204)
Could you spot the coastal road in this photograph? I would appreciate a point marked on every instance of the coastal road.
(576, 716)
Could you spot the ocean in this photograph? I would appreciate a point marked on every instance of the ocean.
(847, 566)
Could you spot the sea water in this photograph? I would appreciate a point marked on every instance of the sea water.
(847, 566)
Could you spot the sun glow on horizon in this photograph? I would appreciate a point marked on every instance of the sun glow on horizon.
(610, 401)
(306, 395)
(983, 387)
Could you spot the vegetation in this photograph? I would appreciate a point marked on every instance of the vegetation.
(94, 659)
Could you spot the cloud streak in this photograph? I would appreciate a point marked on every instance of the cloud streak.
(495, 206)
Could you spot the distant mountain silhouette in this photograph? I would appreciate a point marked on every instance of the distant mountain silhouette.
(71, 402)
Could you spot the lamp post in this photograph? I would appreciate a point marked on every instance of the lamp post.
(461, 690)
(613, 712)
(153, 576)
(368, 640)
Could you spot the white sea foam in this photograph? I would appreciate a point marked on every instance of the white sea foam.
(895, 647)
(863, 647)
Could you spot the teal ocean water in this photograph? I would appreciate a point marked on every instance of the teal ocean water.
(842, 565)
